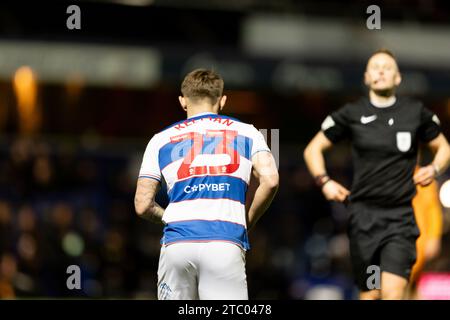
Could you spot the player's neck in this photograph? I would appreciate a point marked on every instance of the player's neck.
(194, 111)
(382, 101)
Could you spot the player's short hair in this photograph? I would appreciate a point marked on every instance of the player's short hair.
(202, 83)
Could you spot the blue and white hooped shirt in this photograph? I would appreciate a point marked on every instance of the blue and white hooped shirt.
(206, 163)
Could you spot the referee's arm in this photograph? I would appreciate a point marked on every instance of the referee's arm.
(441, 150)
(315, 162)
(144, 200)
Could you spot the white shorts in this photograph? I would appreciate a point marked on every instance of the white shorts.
(202, 270)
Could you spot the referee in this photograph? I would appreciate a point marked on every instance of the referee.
(385, 131)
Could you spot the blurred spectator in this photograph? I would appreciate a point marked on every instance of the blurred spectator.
(8, 272)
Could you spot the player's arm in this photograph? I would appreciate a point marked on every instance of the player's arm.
(435, 221)
(144, 200)
(315, 161)
(266, 173)
(441, 150)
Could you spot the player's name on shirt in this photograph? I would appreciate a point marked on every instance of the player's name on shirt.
(215, 119)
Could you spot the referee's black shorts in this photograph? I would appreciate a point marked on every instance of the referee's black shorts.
(385, 237)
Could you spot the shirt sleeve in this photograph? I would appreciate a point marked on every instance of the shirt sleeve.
(150, 163)
(259, 143)
(336, 125)
(430, 126)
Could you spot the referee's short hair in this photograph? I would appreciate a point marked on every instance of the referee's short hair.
(202, 83)
(385, 51)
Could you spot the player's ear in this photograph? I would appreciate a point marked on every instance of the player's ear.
(398, 79)
(183, 102)
(366, 78)
(222, 102)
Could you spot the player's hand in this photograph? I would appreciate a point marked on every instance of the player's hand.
(334, 191)
(424, 176)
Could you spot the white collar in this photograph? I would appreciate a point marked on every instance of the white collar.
(390, 102)
(202, 114)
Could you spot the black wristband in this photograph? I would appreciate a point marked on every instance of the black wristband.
(322, 179)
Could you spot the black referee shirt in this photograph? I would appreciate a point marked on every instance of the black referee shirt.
(384, 147)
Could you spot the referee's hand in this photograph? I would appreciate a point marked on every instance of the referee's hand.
(424, 175)
(334, 191)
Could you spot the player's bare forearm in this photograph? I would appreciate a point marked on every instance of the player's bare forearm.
(313, 154)
(266, 172)
(154, 213)
(264, 195)
(144, 200)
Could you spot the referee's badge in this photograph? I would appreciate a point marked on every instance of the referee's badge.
(403, 141)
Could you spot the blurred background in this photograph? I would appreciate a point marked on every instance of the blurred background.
(77, 108)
